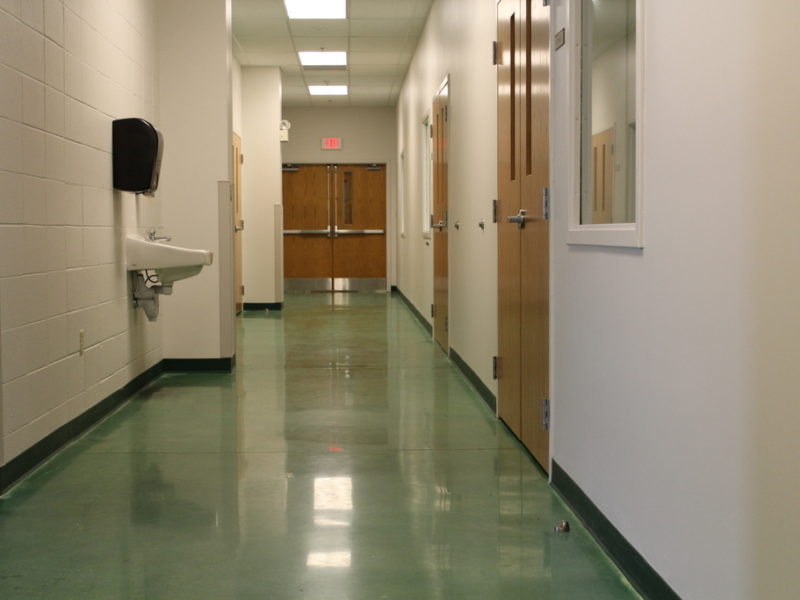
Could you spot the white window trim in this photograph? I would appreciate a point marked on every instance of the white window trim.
(611, 234)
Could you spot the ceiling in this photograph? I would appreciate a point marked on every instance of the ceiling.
(379, 36)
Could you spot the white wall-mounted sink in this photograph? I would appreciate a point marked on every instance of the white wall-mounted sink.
(171, 263)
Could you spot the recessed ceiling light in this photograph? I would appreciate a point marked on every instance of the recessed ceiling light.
(316, 9)
(327, 90)
(322, 58)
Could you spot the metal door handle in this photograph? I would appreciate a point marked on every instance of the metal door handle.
(238, 227)
(338, 231)
(519, 218)
(440, 225)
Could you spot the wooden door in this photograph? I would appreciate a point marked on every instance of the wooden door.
(535, 237)
(441, 317)
(238, 224)
(603, 176)
(307, 239)
(359, 225)
(523, 232)
(508, 268)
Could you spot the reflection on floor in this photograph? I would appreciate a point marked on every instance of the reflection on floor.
(345, 458)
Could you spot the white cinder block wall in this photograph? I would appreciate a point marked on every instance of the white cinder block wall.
(457, 41)
(66, 70)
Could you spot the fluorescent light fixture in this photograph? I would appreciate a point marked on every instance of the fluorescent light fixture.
(316, 9)
(322, 58)
(327, 90)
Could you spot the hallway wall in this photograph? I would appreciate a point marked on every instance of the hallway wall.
(369, 135)
(195, 116)
(262, 185)
(65, 72)
(457, 41)
(675, 367)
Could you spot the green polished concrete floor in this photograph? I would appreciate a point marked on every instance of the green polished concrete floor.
(345, 458)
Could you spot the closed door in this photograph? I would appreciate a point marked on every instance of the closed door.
(334, 227)
(238, 224)
(439, 221)
(602, 176)
(523, 243)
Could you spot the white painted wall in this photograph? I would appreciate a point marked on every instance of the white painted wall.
(66, 70)
(369, 136)
(195, 109)
(261, 184)
(457, 41)
(675, 367)
(236, 96)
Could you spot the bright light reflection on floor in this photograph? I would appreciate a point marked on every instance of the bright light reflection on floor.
(333, 493)
(329, 559)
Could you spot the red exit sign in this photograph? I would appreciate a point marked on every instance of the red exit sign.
(331, 143)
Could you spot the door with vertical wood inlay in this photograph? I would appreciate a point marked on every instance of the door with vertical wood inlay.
(439, 224)
(523, 230)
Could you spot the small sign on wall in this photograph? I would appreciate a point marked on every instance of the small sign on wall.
(331, 143)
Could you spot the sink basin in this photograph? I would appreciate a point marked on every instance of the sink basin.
(171, 263)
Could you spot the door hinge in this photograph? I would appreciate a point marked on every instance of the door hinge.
(494, 53)
(495, 210)
(494, 367)
(242, 290)
(241, 159)
(545, 203)
(546, 414)
(445, 112)
(433, 311)
(447, 323)
(545, 2)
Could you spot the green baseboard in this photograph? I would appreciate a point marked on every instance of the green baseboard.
(422, 320)
(638, 571)
(263, 306)
(21, 465)
(182, 365)
(477, 383)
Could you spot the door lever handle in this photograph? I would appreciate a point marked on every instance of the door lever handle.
(440, 225)
(238, 227)
(519, 218)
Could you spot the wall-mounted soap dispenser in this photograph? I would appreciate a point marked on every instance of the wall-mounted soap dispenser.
(136, 147)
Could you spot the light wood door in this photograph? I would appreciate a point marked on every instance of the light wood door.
(238, 224)
(523, 232)
(441, 284)
(334, 227)
(307, 242)
(603, 176)
(535, 237)
(509, 283)
(359, 244)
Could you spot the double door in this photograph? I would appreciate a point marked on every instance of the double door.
(523, 180)
(334, 227)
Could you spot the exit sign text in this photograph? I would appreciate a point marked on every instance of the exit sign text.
(331, 143)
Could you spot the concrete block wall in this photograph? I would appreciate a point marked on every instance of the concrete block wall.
(67, 69)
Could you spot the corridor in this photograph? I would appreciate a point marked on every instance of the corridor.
(345, 458)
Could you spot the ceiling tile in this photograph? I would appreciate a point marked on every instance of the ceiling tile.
(381, 9)
(379, 27)
(374, 79)
(262, 27)
(330, 101)
(381, 70)
(319, 28)
(272, 59)
(381, 44)
(374, 58)
(265, 44)
(315, 43)
(327, 78)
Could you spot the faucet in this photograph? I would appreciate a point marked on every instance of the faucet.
(152, 237)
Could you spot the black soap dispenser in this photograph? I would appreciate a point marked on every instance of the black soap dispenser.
(137, 148)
